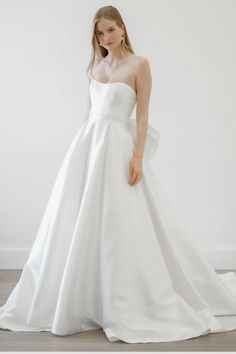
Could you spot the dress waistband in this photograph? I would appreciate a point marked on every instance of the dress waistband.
(152, 137)
(109, 115)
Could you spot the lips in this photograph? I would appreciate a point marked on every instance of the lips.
(109, 43)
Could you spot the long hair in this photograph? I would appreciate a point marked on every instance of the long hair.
(99, 52)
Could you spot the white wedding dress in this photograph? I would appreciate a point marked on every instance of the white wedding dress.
(113, 256)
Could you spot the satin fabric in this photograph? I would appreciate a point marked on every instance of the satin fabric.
(116, 257)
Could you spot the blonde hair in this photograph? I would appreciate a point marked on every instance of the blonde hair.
(99, 52)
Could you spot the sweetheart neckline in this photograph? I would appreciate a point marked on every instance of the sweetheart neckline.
(115, 82)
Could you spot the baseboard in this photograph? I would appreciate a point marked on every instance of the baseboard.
(218, 258)
(13, 258)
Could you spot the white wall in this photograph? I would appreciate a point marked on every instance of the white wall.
(45, 48)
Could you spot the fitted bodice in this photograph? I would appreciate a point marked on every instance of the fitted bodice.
(113, 100)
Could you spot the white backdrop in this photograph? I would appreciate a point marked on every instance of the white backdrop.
(45, 48)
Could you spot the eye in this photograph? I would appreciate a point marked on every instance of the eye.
(112, 29)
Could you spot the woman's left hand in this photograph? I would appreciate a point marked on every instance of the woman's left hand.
(135, 168)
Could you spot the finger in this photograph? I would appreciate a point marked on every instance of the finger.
(131, 167)
(132, 178)
(131, 173)
(136, 179)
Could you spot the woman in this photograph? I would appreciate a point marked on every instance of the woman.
(111, 252)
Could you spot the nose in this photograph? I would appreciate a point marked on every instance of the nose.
(107, 39)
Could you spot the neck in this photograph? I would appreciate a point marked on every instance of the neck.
(114, 55)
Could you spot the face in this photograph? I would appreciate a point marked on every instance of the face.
(108, 33)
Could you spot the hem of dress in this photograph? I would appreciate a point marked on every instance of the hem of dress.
(227, 323)
(113, 337)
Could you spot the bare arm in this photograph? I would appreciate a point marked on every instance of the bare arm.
(144, 84)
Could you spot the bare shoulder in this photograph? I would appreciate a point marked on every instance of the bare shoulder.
(139, 59)
(143, 77)
(142, 65)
